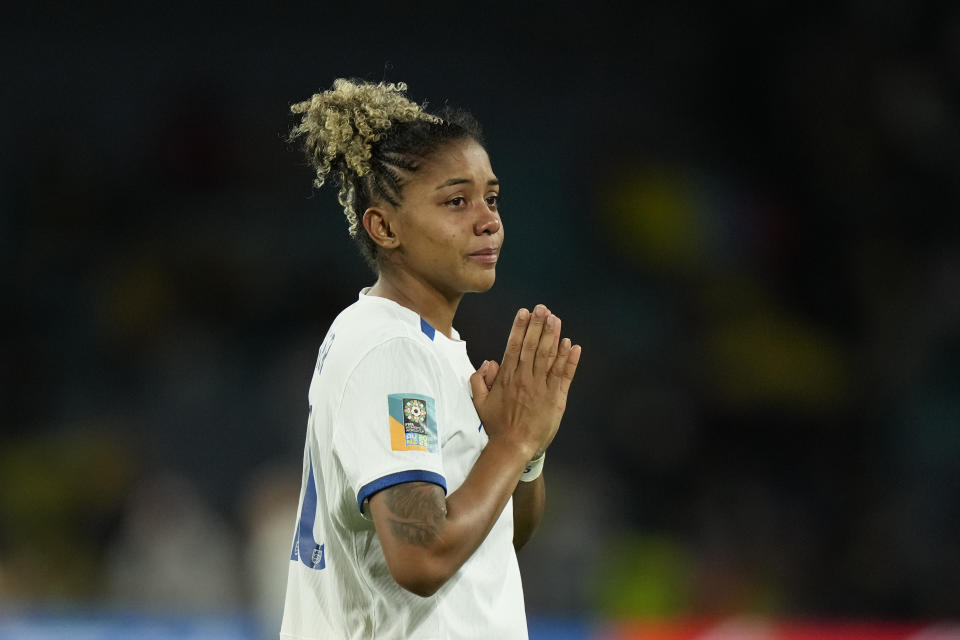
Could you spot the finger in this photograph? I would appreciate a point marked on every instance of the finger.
(531, 339)
(556, 371)
(547, 349)
(570, 369)
(490, 371)
(511, 355)
(478, 386)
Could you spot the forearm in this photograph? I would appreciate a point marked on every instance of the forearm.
(529, 500)
(474, 508)
(424, 546)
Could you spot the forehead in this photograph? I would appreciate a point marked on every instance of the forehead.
(456, 159)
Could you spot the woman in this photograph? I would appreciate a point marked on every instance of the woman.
(412, 457)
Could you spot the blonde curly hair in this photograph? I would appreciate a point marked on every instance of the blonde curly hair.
(370, 137)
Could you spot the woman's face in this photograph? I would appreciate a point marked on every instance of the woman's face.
(449, 226)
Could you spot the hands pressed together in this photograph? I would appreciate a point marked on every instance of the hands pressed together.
(522, 400)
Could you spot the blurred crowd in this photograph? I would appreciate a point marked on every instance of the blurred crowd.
(748, 219)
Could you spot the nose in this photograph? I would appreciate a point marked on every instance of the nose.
(488, 221)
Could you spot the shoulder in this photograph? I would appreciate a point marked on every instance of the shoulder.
(381, 333)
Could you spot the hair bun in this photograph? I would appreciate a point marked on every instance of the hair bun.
(341, 124)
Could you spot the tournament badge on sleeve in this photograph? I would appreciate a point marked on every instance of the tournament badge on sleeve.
(413, 422)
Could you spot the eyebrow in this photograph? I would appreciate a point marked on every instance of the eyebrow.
(454, 181)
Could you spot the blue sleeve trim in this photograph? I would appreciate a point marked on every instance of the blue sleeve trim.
(398, 478)
(427, 329)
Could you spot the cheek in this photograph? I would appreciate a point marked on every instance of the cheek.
(442, 240)
(438, 246)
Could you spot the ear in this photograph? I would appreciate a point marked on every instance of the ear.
(378, 221)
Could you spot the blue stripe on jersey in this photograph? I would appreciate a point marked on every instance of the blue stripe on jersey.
(399, 478)
(427, 329)
(305, 547)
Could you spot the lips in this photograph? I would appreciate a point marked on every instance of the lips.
(485, 256)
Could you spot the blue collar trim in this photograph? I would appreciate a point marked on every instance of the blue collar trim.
(427, 329)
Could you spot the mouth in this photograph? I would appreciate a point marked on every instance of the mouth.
(486, 256)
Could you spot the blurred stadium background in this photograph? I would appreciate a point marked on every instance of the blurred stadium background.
(747, 215)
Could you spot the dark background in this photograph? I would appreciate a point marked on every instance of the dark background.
(746, 214)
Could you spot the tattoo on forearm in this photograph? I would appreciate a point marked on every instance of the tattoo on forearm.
(418, 509)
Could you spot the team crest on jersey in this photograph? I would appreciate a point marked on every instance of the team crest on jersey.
(413, 425)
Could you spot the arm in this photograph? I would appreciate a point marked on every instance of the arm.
(426, 538)
(529, 499)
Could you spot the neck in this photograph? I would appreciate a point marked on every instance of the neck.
(415, 294)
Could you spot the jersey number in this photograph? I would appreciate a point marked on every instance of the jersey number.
(305, 547)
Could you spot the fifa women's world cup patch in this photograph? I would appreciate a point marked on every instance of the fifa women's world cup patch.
(413, 422)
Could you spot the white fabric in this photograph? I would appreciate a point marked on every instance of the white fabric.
(533, 469)
(338, 585)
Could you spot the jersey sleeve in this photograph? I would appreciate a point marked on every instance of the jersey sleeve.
(388, 424)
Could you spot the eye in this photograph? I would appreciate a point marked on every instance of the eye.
(457, 201)
(493, 200)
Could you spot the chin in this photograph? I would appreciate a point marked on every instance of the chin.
(486, 284)
(480, 283)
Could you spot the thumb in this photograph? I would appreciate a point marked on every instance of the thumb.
(477, 383)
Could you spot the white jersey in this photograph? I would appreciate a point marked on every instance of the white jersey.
(390, 402)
